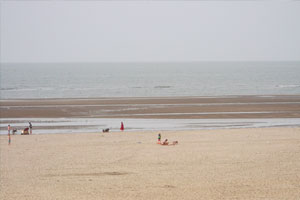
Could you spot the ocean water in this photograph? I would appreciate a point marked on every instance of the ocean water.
(91, 80)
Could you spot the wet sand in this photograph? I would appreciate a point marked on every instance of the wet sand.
(261, 163)
(279, 106)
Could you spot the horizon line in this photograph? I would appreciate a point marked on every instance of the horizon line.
(146, 62)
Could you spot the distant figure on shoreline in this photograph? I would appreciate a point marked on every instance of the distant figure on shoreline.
(30, 128)
(8, 129)
(9, 139)
(14, 131)
(105, 130)
(122, 126)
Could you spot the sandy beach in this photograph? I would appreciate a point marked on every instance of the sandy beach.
(248, 163)
(215, 164)
(87, 88)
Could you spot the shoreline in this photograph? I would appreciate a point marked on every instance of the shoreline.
(156, 113)
(155, 97)
(96, 125)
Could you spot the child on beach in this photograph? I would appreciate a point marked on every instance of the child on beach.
(159, 137)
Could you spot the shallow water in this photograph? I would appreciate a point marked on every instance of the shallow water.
(87, 125)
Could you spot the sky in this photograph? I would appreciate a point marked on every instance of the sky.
(149, 31)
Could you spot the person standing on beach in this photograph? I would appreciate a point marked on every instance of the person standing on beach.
(122, 126)
(9, 139)
(8, 129)
(159, 137)
(30, 127)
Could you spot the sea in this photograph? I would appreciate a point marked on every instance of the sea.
(94, 80)
(97, 80)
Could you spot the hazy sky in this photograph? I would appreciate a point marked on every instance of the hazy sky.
(149, 31)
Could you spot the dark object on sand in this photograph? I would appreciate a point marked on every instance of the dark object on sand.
(105, 130)
(25, 131)
(14, 131)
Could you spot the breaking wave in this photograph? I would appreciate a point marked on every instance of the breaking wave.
(288, 86)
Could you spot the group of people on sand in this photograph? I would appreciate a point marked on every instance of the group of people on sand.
(166, 142)
(26, 131)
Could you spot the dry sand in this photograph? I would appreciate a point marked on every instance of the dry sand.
(217, 164)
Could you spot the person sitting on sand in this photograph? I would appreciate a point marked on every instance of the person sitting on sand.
(165, 142)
